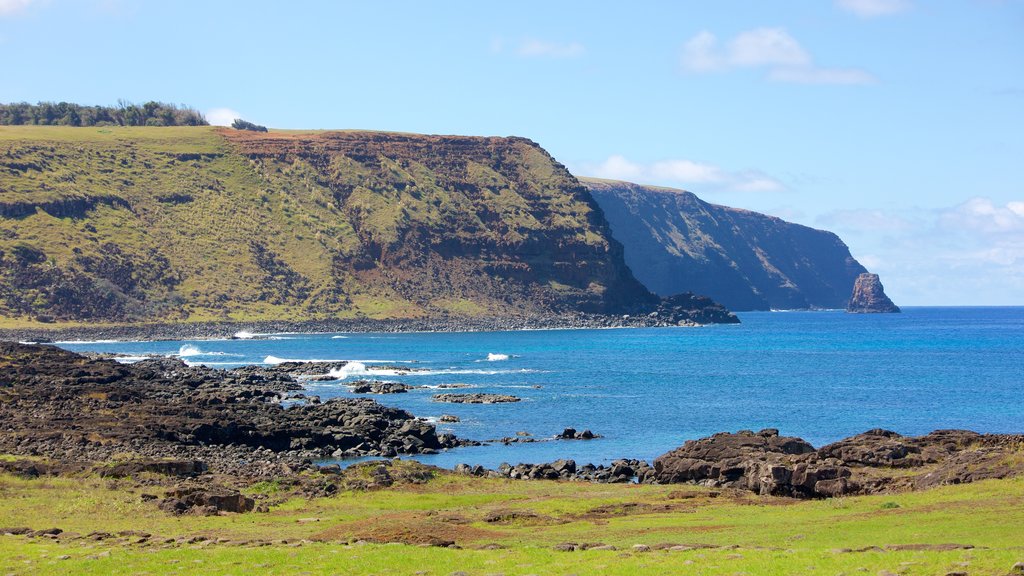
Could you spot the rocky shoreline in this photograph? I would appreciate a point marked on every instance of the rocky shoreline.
(666, 316)
(64, 413)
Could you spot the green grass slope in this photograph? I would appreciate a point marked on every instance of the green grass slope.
(512, 527)
(120, 224)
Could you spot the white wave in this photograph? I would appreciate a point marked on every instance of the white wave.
(88, 341)
(189, 350)
(469, 371)
(244, 335)
(338, 337)
(131, 359)
(28, 342)
(357, 368)
(274, 360)
(202, 363)
(496, 357)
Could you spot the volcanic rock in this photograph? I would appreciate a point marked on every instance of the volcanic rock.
(70, 407)
(477, 398)
(869, 297)
(379, 387)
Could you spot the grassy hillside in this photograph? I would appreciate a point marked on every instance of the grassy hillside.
(676, 242)
(120, 224)
(513, 527)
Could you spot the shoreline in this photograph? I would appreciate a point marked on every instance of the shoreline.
(234, 424)
(228, 329)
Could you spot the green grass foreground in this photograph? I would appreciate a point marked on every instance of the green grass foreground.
(510, 527)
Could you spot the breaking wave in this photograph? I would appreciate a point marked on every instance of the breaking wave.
(189, 350)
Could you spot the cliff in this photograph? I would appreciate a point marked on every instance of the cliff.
(869, 297)
(199, 224)
(676, 242)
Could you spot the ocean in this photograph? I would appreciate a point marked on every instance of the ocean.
(818, 375)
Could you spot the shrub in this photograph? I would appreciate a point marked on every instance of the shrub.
(240, 124)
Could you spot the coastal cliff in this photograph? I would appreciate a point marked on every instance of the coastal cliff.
(676, 242)
(202, 224)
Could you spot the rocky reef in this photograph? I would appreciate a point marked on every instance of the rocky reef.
(62, 405)
(869, 297)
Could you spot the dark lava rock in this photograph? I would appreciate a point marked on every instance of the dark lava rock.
(869, 296)
(77, 409)
(449, 418)
(573, 434)
(872, 462)
(477, 398)
(379, 387)
(763, 462)
(165, 467)
(206, 500)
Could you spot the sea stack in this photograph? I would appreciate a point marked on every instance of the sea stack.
(869, 296)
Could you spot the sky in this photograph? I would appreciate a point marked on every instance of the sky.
(897, 124)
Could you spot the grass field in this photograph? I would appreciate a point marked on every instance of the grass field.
(513, 527)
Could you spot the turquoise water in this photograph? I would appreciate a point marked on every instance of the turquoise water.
(818, 375)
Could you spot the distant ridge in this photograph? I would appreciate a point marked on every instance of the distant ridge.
(676, 242)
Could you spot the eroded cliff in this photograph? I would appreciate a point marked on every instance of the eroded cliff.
(676, 242)
(139, 224)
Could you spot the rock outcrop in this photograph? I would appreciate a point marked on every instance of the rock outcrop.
(675, 242)
(476, 398)
(869, 297)
(875, 461)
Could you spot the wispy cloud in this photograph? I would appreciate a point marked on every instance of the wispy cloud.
(970, 253)
(874, 8)
(8, 7)
(772, 49)
(221, 116)
(683, 172)
(538, 48)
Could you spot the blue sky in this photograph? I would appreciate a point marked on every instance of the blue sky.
(898, 124)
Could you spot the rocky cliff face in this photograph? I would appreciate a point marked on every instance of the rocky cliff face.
(130, 224)
(869, 296)
(675, 242)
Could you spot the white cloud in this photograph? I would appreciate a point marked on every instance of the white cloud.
(970, 253)
(221, 116)
(982, 216)
(683, 172)
(874, 8)
(768, 48)
(13, 6)
(700, 53)
(536, 48)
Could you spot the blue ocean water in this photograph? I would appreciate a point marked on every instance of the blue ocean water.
(819, 375)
